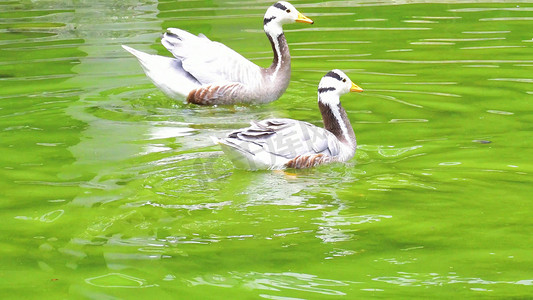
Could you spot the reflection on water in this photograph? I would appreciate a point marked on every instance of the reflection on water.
(276, 282)
(273, 282)
(435, 279)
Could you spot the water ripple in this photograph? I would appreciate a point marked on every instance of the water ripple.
(508, 19)
(434, 279)
(420, 92)
(118, 280)
(500, 112)
(521, 80)
(391, 98)
(431, 43)
(436, 17)
(329, 43)
(323, 29)
(48, 217)
(157, 132)
(485, 9)
(486, 32)
(189, 207)
(273, 282)
(464, 39)
(458, 61)
(387, 182)
(388, 74)
(371, 20)
(408, 121)
(491, 47)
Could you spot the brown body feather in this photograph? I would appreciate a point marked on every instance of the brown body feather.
(216, 94)
(308, 161)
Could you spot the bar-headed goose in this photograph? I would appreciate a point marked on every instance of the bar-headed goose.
(209, 73)
(287, 143)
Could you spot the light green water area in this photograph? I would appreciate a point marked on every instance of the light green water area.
(110, 190)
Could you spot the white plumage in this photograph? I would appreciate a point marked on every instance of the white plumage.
(209, 73)
(209, 61)
(165, 72)
(282, 143)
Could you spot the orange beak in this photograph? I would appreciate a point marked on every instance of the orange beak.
(355, 88)
(304, 19)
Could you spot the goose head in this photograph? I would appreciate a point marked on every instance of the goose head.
(283, 13)
(334, 84)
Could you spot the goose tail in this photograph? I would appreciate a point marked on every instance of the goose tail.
(166, 73)
(249, 156)
(241, 158)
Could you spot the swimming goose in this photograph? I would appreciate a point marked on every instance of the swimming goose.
(287, 143)
(209, 73)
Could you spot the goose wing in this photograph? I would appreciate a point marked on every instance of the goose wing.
(285, 138)
(208, 61)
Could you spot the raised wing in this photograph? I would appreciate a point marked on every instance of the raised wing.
(208, 61)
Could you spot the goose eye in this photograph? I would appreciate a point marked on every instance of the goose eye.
(288, 10)
(344, 80)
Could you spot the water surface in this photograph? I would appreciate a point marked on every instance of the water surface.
(111, 190)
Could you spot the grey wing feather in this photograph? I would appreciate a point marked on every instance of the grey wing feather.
(289, 138)
(201, 35)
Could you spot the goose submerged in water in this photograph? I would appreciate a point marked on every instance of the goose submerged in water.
(287, 143)
(209, 73)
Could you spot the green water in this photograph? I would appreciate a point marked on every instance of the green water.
(110, 190)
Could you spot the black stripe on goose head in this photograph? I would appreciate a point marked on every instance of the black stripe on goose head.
(280, 6)
(334, 75)
(267, 20)
(325, 89)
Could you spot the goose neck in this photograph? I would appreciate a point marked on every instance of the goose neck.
(336, 119)
(281, 62)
